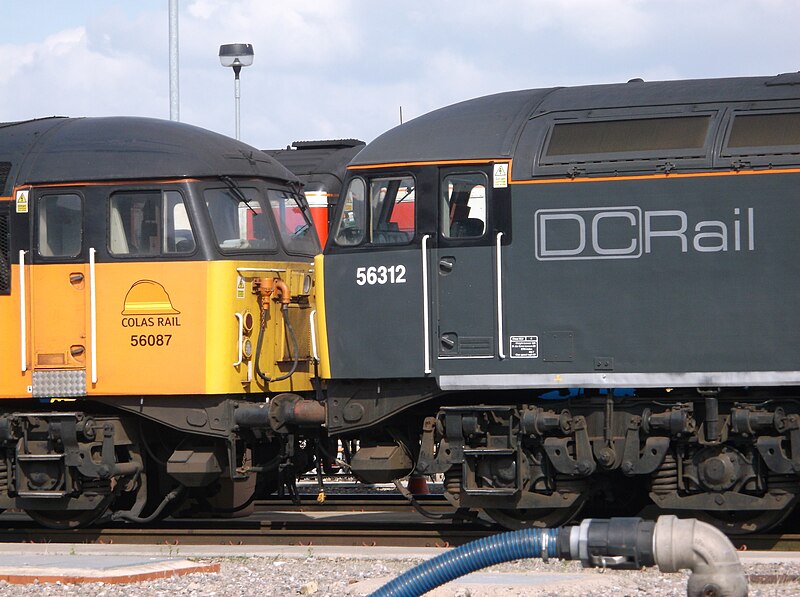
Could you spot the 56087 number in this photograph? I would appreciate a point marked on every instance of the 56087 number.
(382, 274)
(145, 340)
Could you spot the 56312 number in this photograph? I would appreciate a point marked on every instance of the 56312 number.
(382, 274)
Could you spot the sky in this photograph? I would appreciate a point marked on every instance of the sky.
(330, 69)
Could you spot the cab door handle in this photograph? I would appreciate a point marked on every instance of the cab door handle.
(446, 265)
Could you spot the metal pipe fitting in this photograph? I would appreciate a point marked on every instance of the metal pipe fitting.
(670, 543)
(289, 410)
(703, 549)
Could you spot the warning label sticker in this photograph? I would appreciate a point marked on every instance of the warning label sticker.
(524, 347)
(22, 202)
(500, 178)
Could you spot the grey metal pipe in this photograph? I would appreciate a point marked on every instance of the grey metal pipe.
(703, 549)
(671, 543)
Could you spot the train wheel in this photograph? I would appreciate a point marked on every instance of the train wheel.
(536, 517)
(61, 520)
(743, 522)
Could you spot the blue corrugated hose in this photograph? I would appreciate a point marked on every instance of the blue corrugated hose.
(506, 547)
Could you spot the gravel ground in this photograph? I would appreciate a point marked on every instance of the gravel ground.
(319, 576)
(312, 574)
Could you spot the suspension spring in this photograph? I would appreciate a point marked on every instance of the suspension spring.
(3, 474)
(665, 479)
(452, 480)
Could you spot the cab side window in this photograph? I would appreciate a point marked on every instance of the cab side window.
(59, 225)
(388, 218)
(463, 206)
(392, 201)
(149, 223)
(353, 222)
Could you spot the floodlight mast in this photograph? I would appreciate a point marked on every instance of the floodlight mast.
(174, 85)
(236, 56)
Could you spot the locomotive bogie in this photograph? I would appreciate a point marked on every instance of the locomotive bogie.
(63, 462)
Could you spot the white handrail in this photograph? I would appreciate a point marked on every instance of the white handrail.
(426, 324)
(23, 314)
(313, 326)
(499, 282)
(93, 312)
(240, 319)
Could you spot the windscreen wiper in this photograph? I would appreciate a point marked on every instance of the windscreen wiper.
(237, 192)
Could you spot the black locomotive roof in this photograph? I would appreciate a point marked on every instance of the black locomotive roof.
(63, 150)
(489, 126)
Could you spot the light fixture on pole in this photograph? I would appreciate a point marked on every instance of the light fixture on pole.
(236, 56)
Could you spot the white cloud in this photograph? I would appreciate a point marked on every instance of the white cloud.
(17, 59)
(63, 75)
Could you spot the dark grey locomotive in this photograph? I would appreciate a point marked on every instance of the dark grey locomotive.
(558, 295)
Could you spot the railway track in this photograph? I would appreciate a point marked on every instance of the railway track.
(342, 520)
(356, 502)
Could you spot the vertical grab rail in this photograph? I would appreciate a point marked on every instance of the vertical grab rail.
(426, 324)
(93, 313)
(240, 319)
(499, 282)
(312, 323)
(23, 314)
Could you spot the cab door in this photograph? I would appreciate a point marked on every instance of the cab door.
(59, 288)
(376, 281)
(464, 268)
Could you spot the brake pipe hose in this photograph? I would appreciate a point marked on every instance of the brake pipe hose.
(624, 543)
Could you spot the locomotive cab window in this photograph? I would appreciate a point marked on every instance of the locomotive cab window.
(463, 206)
(149, 223)
(60, 224)
(392, 204)
(352, 223)
(294, 222)
(388, 216)
(239, 220)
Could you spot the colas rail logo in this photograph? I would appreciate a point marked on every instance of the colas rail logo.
(147, 304)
